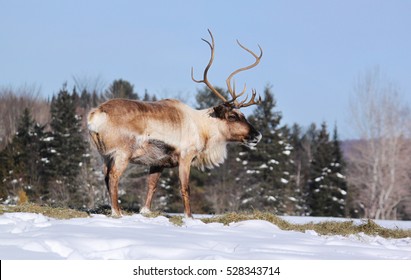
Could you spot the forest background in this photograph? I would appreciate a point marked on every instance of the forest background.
(46, 157)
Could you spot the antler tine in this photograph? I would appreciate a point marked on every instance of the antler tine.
(205, 79)
(242, 92)
(252, 100)
(228, 81)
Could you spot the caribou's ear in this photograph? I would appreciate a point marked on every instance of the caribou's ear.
(220, 111)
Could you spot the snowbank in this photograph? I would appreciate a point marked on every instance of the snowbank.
(34, 236)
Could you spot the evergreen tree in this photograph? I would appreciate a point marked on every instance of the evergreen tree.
(148, 97)
(319, 198)
(303, 143)
(21, 159)
(43, 164)
(22, 142)
(66, 147)
(28, 139)
(90, 181)
(327, 187)
(266, 169)
(338, 167)
(300, 166)
(121, 89)
(89, 100)
(85, 99)
(206, 98)
(4, 173)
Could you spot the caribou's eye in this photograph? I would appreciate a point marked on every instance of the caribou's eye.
(232, 118)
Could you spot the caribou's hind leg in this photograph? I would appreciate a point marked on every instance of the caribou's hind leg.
(113, 169)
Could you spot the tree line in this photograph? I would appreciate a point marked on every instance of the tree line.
(292, 171)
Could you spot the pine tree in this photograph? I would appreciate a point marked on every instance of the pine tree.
(266, 169)
(206, 98)
(27, 139)
(21, 159)
(6, 172)
(90, 180)
(299, 168)
(22, 142)
(121, 89)
(338, 179)
(148, 97)
(42, 166)
(66, 147)
(327, 187)
(319, 199)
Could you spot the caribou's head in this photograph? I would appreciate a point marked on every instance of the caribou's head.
(236, 127)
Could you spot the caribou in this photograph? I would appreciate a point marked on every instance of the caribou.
(169, 133)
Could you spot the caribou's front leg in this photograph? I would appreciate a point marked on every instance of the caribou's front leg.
(152, 180)
(184, 174)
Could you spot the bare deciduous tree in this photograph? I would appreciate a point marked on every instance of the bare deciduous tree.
(379, 164)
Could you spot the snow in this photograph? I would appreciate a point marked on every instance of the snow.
(273, 161)
(48, 139)
(318, 179)
(284, 181)
(34, 236)
(287, 152)
(339, 175)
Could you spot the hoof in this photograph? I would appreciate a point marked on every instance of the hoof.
(116, 214)
(188, 216)
(145, 210)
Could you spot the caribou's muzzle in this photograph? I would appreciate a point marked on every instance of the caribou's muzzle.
(253, 139)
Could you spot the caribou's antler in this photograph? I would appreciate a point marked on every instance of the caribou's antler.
(231, 89)
(205, 79)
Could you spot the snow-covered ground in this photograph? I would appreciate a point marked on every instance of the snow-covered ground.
(34, 236)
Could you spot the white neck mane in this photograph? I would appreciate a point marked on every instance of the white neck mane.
(213, 155)
(215, 150)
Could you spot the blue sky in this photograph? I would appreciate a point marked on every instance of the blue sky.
(314, 51)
